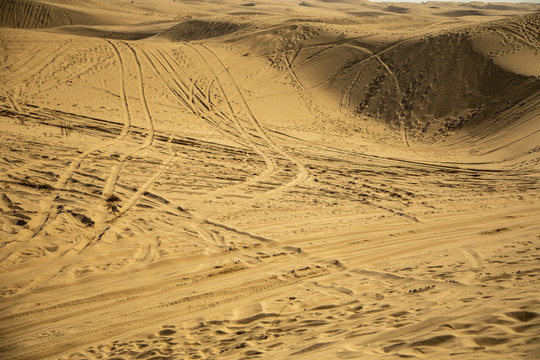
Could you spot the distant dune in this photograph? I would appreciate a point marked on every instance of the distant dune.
(201, 29)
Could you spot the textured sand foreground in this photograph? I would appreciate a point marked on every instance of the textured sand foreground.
(269, 179)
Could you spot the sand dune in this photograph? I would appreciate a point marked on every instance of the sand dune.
(269, 179)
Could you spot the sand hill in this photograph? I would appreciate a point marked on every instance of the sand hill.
(269, 180)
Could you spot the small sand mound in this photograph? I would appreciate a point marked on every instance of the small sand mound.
(29, 14)
(366, 13)
(306, 3)
(396, 9)
(200, 29)
(460, 13)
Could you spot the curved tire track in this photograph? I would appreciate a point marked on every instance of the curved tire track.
(302, 171)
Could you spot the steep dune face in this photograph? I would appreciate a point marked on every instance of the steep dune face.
(444, 84)
(29, 14)
(434, 83)
(447, 83)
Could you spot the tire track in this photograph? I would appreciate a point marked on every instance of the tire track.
(270, 164)
(111, 181)
(10, 100)
(155, 303)
(216, 117)
(186, 93)
(316, 55)
(345, 97)
(177, 87)
(345, 100)
(67, 259)
(24, 60)
(328, 47)
(302, 174)
(49, 209)
(14, 73)
(38, 68)
(400, 102)
(302, 171)
(148, 117)
(88, 242)
(197, 223)
(350, 85)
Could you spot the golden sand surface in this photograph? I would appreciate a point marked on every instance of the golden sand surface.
(269, 180)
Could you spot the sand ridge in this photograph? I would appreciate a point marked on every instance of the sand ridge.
(269, 179)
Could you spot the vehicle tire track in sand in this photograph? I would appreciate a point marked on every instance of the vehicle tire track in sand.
(44, 63)
(403, 129)
(191, 98)
(400, 94)
(346, 94)
(148, 117)
(68, 258)
(350, 85)
(155, 302)
(88, 241)
(178, 87)
(216, 118)
(270, 163)
(23, 59)
(111, 181)
(11, 101)
(48, 208)
(190, 95)
(199, 222)
(303, 173)
(180, 91)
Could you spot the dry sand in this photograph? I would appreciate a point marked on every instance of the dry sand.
(176, 174)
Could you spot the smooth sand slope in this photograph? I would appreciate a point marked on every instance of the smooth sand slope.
(269, 179)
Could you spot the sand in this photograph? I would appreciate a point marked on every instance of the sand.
(269, 180)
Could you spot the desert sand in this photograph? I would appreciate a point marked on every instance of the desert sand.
(269, 180)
